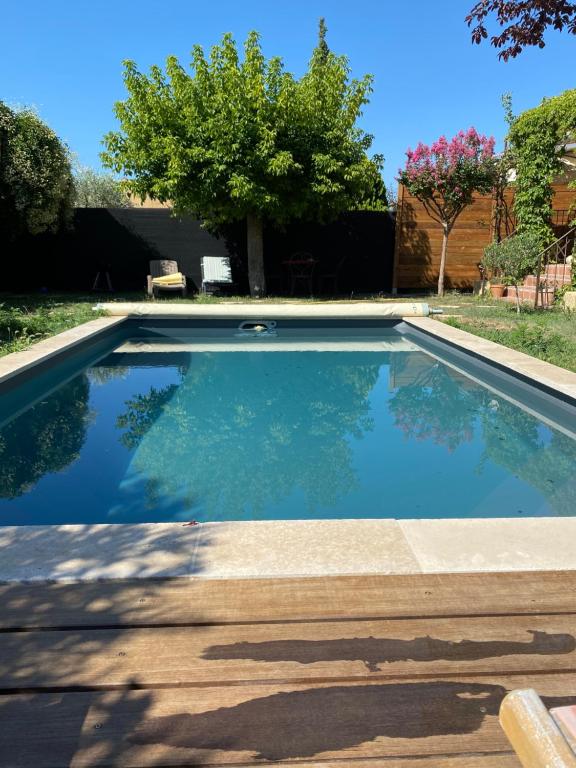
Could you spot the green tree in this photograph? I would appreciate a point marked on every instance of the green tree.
(445, 176)
(502, 222)
(513, 259)
(244, 139)
(36, 187)
(98, 190)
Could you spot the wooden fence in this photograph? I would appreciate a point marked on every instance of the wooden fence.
(419, 239)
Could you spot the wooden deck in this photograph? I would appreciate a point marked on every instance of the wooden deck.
(366, 672)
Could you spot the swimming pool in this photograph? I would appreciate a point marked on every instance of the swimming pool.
(161, 422)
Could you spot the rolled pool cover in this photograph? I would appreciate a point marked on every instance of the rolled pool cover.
(352, 311)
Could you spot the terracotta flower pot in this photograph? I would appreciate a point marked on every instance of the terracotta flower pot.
(497, 290)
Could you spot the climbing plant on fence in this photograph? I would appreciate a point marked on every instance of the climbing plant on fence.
(445, 176)
(539, 137)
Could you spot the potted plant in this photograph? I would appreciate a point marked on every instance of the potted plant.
(493, 265)
(497, 288)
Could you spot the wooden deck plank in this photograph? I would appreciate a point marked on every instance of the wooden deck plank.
(295, 652)
(183, 602)
(249, 724)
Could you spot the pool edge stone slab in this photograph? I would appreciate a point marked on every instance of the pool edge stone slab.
(291, 548)
(492, 545)
(284, 549)
(48, 553)
(17, 362)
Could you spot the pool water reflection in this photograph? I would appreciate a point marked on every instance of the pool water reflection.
(279, 435)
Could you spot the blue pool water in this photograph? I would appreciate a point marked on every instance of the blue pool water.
(224, 435)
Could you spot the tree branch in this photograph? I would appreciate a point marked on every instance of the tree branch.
(523, 22)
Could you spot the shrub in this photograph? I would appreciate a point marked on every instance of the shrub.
(513, 259)
(36, 187)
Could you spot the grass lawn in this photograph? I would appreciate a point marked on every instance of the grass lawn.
(549, 335)
(27, 319)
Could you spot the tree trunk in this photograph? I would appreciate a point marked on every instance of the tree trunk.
(517, 298)
(445, 233)
(256, 277)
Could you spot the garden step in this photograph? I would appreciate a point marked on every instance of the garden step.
(528, 293)
(550, 279)
(561, 271)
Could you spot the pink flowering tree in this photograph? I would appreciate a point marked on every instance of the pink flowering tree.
(445, 176)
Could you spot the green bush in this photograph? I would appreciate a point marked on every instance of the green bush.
(36, 187)
(512, 259)
(21, 324)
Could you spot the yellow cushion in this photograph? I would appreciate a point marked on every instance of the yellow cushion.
(174, 279)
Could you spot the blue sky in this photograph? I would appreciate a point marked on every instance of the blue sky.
(65, 58)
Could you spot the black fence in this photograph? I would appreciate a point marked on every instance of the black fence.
(351, 255)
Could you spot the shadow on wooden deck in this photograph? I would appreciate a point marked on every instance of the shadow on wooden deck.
(336, 670)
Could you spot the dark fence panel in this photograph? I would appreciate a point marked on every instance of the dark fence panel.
(360, 245)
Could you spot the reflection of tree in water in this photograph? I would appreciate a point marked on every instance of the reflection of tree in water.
(46, 438)
(243, 431)
(543, 458)
(434, 405)
(434, 402)
(104, 374)
(143, 410)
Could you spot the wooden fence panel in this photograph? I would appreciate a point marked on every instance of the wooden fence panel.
(419, 239)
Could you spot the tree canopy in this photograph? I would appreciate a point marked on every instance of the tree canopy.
(523, 23)
(445, 176)
(241, 138)
(36, 188)
(98, 190)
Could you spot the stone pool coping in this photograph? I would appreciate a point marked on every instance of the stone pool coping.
(18, 362)
(285, 548)
(258, 549)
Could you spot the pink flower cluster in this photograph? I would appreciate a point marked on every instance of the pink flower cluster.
(439, 160)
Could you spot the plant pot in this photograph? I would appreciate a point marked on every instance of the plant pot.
(497, 290)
